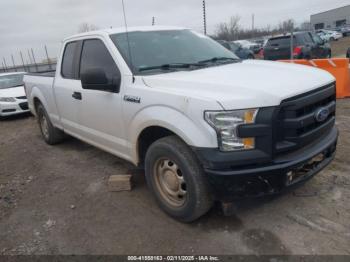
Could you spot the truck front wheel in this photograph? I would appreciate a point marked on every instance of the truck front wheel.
(177, 180)
(51, 134)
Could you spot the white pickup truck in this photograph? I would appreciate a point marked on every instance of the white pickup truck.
(205, 125)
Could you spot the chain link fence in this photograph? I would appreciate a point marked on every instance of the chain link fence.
(30, 68)
(31, 65)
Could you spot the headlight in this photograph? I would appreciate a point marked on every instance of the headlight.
(7, 99)
(226, 124)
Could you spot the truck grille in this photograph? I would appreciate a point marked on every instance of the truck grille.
(297, 124)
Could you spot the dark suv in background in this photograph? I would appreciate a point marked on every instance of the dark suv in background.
(306, 45)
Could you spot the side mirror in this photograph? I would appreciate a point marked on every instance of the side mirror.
(96, 79)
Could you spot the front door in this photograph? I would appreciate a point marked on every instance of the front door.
(100, 112)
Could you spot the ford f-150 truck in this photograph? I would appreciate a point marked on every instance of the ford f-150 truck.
(205, 125)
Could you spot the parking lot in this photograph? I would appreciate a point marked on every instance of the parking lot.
(54, 200)
(339, 47)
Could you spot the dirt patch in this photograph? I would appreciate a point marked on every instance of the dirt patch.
(55, 200)
(340, 47)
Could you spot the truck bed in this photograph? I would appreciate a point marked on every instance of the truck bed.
(40, 83)
(45, 74)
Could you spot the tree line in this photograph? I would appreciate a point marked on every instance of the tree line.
(232, 30)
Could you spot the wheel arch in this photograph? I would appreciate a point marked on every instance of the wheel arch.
(166, 122)
(148, 136)
(36, 98)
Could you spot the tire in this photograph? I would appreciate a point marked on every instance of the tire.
(171, 166)
(51, 134)
(329, 55)
(332, 39)
(250, 57)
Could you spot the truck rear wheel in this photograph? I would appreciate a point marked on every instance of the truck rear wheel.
(177, 180)
(51, 134)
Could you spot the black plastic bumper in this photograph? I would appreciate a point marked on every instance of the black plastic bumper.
(259, 179)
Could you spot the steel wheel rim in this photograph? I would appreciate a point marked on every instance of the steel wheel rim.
(170, 182)
(44, 126)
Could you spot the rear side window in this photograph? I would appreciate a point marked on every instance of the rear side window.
(280, 41)
(96, 55)
(308, 39)
(68, 64)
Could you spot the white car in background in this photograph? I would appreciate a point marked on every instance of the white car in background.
(13, 99)
(249, 45)
(328, 35)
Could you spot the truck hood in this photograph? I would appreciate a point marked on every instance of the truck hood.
(12, 92)
(246, 84)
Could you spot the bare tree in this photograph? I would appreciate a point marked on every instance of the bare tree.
(228, 31)
(286, 26)
(232, 30)
(86, 27)
(306, 26)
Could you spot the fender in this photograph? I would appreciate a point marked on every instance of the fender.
(37, 93)
(192, 133)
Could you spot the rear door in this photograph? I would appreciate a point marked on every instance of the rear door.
(278, 48)
(66, 86)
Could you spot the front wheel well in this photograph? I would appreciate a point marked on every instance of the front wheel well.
(36, 102)
(147, 137)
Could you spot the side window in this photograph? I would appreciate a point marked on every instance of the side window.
(96, 56)
(67, 69)
(316, 39)
(308, 38)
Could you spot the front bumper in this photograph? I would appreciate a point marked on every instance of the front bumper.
(269, 178)
(20, 106)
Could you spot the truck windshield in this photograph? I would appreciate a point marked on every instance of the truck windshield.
(9, 81)
(164, 51)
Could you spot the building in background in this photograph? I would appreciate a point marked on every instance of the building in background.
(331, 19)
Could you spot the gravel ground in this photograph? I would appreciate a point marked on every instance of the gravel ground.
(54, 200)
(340, 47)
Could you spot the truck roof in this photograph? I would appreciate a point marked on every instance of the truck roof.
(111, 31)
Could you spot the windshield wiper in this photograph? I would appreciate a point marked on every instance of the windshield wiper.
(187, 65)
(217, 59)
(169, 66)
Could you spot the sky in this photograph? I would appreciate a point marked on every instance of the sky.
(26, 24)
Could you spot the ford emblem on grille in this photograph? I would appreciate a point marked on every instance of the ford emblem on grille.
(321, 114)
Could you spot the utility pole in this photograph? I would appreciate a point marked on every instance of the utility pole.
(3, 66)
(153, 21)
(292, 44)
(48, 58)
(24, 67)
(30, 59)
(13, 62)
(204, 17)
(253, 22)
(36, 66)
(6, 68)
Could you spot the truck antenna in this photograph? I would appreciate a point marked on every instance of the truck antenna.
(128, 41)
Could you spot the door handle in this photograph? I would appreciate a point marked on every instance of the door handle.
(77, 96)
